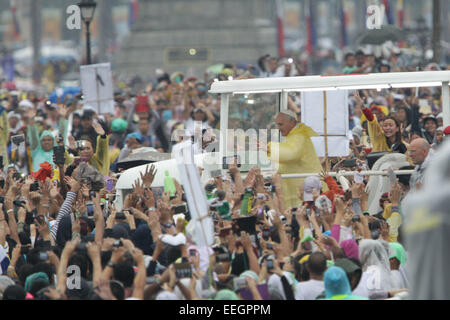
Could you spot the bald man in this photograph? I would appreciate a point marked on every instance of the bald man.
(420, 153)
(296, 154)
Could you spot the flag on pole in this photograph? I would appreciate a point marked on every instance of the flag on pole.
(134, 11)
(7, 63)
(400, 14)
(280, 26)
(15, 20)
(343, 18)
(388, 10)
(310, 26)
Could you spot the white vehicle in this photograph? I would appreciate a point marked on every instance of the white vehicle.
(127, 178)
(251, 105)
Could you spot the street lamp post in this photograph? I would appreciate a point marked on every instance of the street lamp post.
(87, 8)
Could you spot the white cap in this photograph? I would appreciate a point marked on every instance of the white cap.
(12, 114)
(25, 104)
(89, 107)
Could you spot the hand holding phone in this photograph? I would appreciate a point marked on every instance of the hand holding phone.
(270, 264)
(59, 153)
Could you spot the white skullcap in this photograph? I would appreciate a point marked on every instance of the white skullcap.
(289, 113)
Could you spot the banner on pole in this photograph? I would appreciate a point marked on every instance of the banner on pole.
(96, 82)
(313, 113)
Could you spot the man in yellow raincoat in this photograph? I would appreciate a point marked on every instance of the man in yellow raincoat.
(296, 154)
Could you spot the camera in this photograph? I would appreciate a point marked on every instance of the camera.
(269, 246)
(349, 163)
(239, 283)
(223, 257)
(18, 139)
(182, 208)
(92, 194)
(183, 270)
(34, 186)
(18, 203)
(43, 256)
(269, 187)
(261, 196)
(120, 216)
(269, 264)
(118, 243)
(356, 218)
(308, 211)
(266, 234)
(80, 144)
(18, 176)
(90, 209)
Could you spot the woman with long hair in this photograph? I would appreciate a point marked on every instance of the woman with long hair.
(385, 135)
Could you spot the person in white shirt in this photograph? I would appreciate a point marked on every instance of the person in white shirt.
(311, 289)
(376, 281)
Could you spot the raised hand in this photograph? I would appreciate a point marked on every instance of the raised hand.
(72, 183)
(358, 98)
(98, 128)
(70, 247)
(395, 194)
(339, 204)
(92, 250)
(138, 188)
(149, 175)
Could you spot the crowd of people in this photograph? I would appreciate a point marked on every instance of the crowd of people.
(61, 236)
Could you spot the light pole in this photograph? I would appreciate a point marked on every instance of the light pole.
(87, 8)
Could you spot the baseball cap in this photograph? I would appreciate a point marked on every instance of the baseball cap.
(25, 104)
(12, 114)
(430, 117)
(309, 184)
(119, 125)
(135, 135)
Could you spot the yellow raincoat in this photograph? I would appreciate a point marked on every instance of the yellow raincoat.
(295, 155)
(376, 134)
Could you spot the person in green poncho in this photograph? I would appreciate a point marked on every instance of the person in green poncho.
(41, 146)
